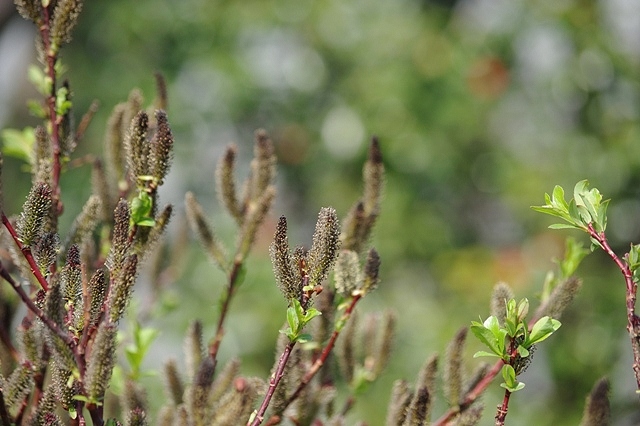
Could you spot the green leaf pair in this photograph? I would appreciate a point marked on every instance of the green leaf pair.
(297, 319)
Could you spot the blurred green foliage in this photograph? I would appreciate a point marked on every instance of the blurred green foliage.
(480, 107)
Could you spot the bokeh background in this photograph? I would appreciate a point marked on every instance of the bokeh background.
(481, 106)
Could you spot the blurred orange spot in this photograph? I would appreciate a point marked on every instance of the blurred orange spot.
(488, 77)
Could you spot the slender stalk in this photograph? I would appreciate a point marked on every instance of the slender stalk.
(26, 252)
(633, 321)
(471, 396)
(317, 365)
(501, 415)
(38, 312)
(214, 346)
(51, 58)
(273, 383)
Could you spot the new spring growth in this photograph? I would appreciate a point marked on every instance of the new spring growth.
(299, 273)
(513, 342)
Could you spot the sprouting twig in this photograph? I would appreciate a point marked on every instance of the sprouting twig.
(214, 346)
(273, 384)
(313, 370)
(633, 321)
(51, 59)
(503, 409)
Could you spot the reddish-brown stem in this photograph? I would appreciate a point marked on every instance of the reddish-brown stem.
(317, 365)
(38, 312)
(501, 415)
(214, 346)
(51, 57)
(633, 321)
(471, 396)
(273, 383)
(26, 252)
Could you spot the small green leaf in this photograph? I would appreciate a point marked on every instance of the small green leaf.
(304, 338)
(510, 381)
(493, 338)
(19, 143)
(564, 226)
(485, 353)
(292, 319)
(311, 314)
(141, 209)
(542, 329)
(523, 352)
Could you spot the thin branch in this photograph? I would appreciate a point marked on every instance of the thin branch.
(273, 383)
(317, 365)
(501, 415)
(51, 58)
(633, 321)
(471, 396)
(214, 346)
(26, 252)
(38, 312)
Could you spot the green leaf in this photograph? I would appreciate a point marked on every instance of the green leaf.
(485, 353)
(558, 200)
(542, 329)
(19, 143)
(292, 319)
(36, 109)
(565, 226)
(41, 81)
(311, 314)
(141, 209)
(490, 334)
(510, 381)
(304, 338)
(523, 352)
(574, 253)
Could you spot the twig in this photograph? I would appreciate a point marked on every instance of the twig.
(214, 346)
(471, 396)
(51, 59)
(633, 321)
(501, 415)
(310, 374)
(26, 252)
(38, 312)
(273, 383)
